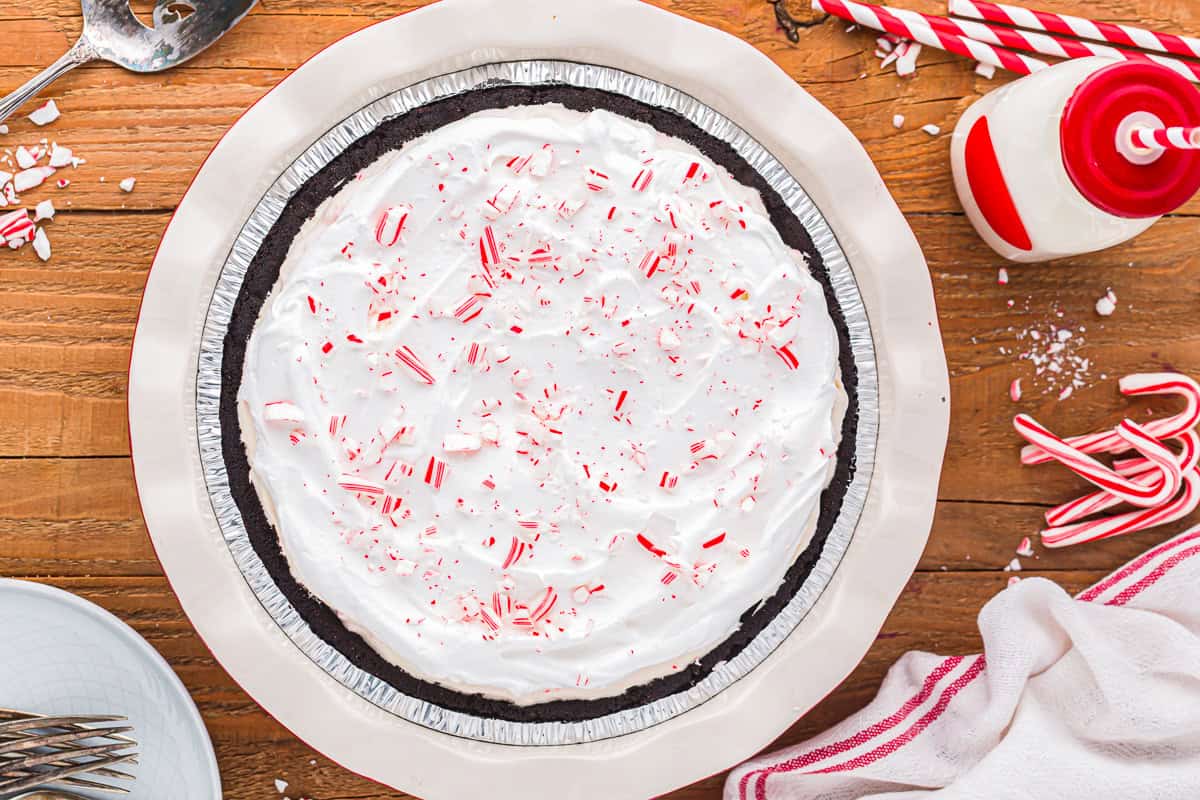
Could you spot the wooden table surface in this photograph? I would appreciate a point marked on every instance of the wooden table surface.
(68, 512)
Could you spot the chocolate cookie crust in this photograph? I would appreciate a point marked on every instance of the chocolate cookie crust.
(263, 274)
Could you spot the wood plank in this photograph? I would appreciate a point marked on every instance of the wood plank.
(80, 516)
(65, 328)
(123, 123)
(155, 128)
(253, 749)
(72, 517)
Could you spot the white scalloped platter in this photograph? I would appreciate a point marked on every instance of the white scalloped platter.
(708, 67)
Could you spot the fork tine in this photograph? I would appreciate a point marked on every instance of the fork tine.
(95, 786)
(28, 723)
(55, 776)
(59, 738)
(36, 760)
(83, 783)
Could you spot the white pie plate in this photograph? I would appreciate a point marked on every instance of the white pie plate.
(65, 655)
(729, 76)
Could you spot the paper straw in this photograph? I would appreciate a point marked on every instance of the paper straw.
(1179, 138)
(881, 19)
(1078, 27)
(1044, 43)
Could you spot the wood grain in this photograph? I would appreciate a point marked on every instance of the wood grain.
(68, 510)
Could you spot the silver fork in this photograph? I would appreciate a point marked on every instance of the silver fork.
(39, 750)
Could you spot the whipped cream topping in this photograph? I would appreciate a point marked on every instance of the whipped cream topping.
(541, 404)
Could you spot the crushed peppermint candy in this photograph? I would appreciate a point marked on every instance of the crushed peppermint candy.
(906, 63)
(1057, 353)
(895, 50)
(41, 245)
(127, 184)
(44, 114)
(28, 167)
(1107, 304)
(897, 121)
(1013, 566)
(931, 129)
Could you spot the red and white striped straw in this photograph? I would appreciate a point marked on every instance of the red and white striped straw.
(1178, 138)
(1066, 25)
(1046, 44)
(883, 19)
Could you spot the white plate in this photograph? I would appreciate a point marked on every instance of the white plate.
(729, 76)
(64, 655)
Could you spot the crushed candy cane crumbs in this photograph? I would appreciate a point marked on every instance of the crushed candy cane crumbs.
(27, 167)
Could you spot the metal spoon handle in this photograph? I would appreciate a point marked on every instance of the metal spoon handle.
(81, 53)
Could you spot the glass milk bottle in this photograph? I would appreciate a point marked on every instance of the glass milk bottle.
(1048, 166)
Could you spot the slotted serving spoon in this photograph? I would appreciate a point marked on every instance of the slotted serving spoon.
(182, 28)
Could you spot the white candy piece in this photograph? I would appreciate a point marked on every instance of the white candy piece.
(127, 184)
(61, 156)
(461, 443)
(668, 339)
(281, 785)
(282, 411)
(29, 178)
(41, 245)
(45, 114)
(1107, 304)
(898, 121)
(931, 129)
(25, 158)
(44, 210)
(906, 64)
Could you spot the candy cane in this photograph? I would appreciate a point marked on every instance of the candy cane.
(881, 19)
(1143, 471)
(359, 485)
(1135, 386)
(391, 224)
(1079, 27)
(1093, 471)
(1131, 522)
(1137, 465)
(416, 367)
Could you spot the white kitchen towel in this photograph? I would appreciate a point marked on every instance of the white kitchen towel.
(1090, 697)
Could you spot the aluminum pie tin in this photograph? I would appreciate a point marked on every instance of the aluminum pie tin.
(208, 393)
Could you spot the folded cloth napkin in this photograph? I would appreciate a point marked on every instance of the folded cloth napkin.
(1091, 697)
